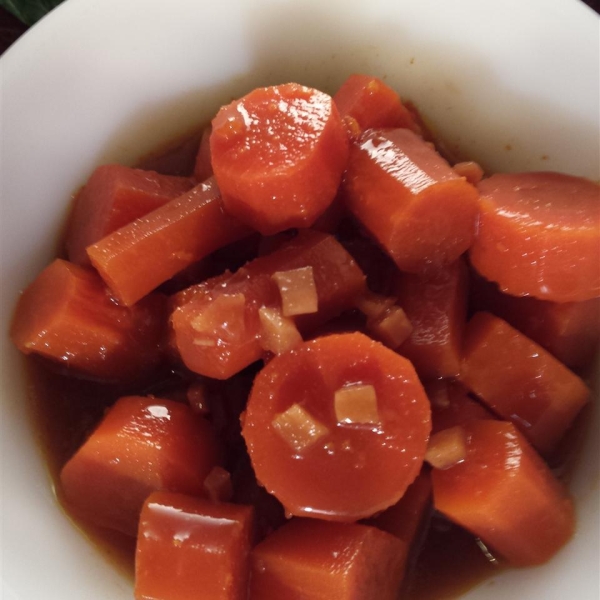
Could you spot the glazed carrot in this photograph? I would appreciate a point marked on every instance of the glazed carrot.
(505, 494)
(278, 155)
(203, 165)
(409, 198)
(321, 561)
(372, 104)
(114, 196)
(568, 330)
(315, 421)
(137, 258)
(192, 549)
(142, 445)
(520, 381)
(217, 324)
(451, 405)
(69, 317)
(436, 306)
(539, 235)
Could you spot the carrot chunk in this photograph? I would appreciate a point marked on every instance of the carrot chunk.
(410, 199)
(216, 339)
(192, 549)
(339, 397)
(436, 306)
(505, 494)
(520, 381)
(372, 104)
(278, 155)
(203, 165)
(114, 196)
(321, 561)
(568, 330)
(137, 258)
(69, 317)
(539, 235)
(141, 446)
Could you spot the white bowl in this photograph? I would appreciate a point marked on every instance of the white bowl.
(99, 81)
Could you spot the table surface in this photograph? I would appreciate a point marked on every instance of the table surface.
(11, 28)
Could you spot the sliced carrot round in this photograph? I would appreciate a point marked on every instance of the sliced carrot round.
(278, 155)
(337, 428)
(539, 235)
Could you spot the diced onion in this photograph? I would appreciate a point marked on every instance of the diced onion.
(447, 448)
(374, 305)
(437, 392)
(198, 398)
(470, 170)
(222, 320)
(217, 485)
(356, 404)
(392, 328)
(277, 333)
(298, 291)
(299, 428)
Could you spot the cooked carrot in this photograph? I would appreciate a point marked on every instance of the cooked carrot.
(114, 196)
(278, 155)
(539, 235)
(504, 493)
(137, 258)
(203, 165)
(142, 445)
(451, 405)
(321, 561)
(68, 316)
(192, 549)
(568, 330)
(217, 324)
(409, 198)
(436, 306)
(315, 422)
(520, 381)
(372, 104)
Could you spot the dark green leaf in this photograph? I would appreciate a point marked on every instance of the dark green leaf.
(29, 11)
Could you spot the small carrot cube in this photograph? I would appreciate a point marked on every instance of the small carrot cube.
(520, 381)
(142, 445)
(322, 560)
(191, 549)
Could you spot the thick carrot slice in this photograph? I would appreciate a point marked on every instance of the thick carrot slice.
(321, 561)
(410, 199)
(315, 421)
(436, 306)
(539, 235)
(217, 324)
(192, 549)
(68, 316)
(451, 405)
(142, 445)
(278, 155)
(113, 197)
(504, 493)
(137, 258)
(520, 381)
(373, 104)
(568, 330)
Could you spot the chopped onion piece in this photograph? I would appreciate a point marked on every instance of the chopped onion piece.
(447, 448)
(356, 404)
(374, 305)
(437, 392)
(277, 333)
(218, 486)
(299, 428)
(470, 170)
(392, 328)
(298, 291)
(197, 398)
(223, 320)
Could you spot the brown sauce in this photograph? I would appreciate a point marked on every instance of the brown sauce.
(65, 411)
